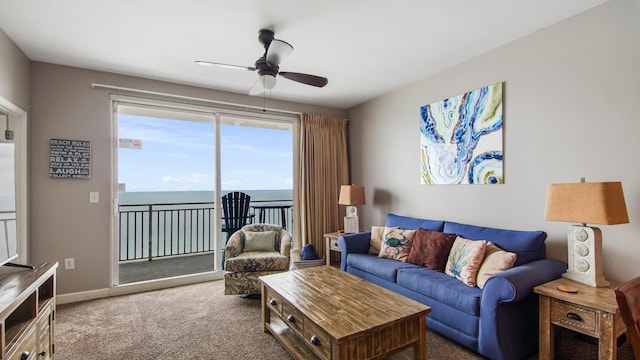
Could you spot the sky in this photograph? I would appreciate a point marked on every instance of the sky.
(178, 155)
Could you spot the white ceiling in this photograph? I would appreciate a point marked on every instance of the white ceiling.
(364, 47)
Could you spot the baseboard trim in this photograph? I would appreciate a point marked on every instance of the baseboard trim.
(137, 287)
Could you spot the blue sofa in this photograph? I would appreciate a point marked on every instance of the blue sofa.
(499, 321)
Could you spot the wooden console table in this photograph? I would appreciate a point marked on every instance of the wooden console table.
(591, 311)
(324, 313)
(27, 312)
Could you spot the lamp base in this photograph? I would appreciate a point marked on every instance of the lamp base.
(584, 245)
(351, 224)
(598, 281)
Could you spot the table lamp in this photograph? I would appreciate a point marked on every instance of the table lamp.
(351, 195)
(586, 203)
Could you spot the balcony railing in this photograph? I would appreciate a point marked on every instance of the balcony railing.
(149, 231)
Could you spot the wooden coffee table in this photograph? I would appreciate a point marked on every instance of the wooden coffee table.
(324, 313)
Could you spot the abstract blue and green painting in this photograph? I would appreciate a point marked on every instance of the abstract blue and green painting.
(461, 138)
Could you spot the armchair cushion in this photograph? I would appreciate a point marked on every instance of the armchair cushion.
(257, 261)
(259, 241)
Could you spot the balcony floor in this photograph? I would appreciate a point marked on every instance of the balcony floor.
(160, 268)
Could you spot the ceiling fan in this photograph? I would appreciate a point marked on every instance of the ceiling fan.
(268, 65)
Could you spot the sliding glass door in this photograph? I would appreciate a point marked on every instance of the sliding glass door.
(166, 182)
(173, 164)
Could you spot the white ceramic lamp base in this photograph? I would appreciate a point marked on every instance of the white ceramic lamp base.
(585, 256)
(351, 224)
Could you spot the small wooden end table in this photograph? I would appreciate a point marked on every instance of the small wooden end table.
(331, 244)
(591, 311)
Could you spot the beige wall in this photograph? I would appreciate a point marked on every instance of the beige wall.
(570, 108)
(14, 73)
(63, 222)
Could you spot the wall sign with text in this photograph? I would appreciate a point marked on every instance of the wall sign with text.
(70, 159)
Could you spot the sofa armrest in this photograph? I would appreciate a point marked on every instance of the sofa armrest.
(509, 309)
(357, 243)
(517, 283)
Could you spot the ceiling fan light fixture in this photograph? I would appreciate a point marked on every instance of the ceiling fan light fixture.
(268, 81)
(278, 51)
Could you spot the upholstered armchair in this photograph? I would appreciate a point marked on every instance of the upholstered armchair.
(255, 250)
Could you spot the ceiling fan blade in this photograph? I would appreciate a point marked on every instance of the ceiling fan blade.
(313, 80)
(278, 50)
(227, 66)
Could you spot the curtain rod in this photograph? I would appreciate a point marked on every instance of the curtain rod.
(189, 98)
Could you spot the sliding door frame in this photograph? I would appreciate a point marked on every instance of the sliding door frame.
(217, 113)
(18, 120)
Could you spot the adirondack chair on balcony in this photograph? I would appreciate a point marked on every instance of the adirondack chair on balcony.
(235, 207)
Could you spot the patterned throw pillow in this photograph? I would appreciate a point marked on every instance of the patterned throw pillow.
(465, 259)
(431, 249)
(259, 241)
(495, 260)
(396, 243)
(376, 239)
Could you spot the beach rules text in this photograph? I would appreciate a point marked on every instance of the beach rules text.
(70, 159)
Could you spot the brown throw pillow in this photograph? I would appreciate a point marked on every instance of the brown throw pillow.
(431, 249)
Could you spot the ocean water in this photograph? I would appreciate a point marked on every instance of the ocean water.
(174, 197)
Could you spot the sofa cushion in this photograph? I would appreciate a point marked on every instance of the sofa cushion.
(495, 260)
(441, 287)
(257, 261)
(527, 245)
(465, 259)
(386, 269)
(405, 222)
(396, 243)
(431, 249)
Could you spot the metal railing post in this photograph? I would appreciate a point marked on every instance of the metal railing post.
(150, 233)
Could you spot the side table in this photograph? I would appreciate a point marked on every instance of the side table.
(591, 311)
(331, 244)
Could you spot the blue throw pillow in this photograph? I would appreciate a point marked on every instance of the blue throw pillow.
(309, 252)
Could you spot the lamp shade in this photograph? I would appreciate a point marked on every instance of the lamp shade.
(351, 195)
(587, 203)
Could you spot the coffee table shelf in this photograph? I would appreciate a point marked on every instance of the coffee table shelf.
(290, 341)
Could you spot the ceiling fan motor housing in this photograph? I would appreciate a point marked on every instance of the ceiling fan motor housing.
(264, 68)
(265, 36)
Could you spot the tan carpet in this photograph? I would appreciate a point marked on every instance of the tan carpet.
(187, 322)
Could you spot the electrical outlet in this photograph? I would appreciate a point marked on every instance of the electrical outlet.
(69, 264)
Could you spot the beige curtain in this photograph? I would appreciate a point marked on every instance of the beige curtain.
(324, 167)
